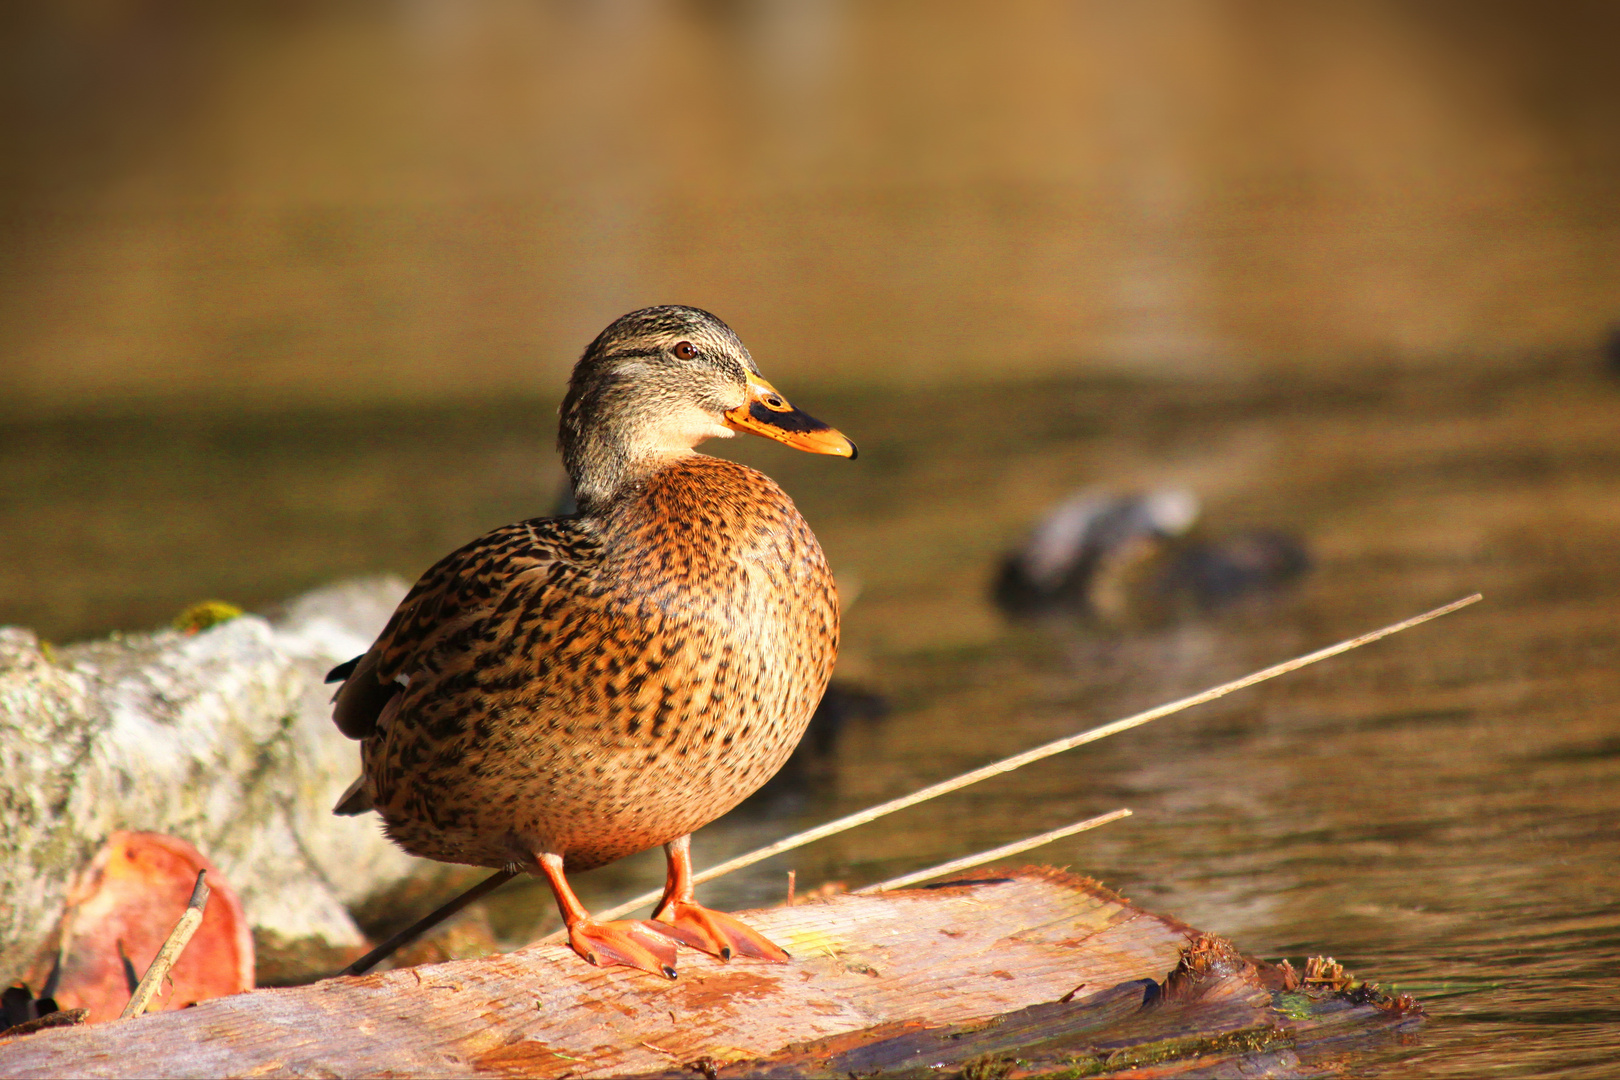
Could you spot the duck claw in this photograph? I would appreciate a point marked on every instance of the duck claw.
(647, 946)
(716, 933)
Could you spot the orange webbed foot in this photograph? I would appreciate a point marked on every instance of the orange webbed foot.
(648, 946)
(716, 933)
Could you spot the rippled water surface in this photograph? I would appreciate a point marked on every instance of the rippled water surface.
(1438, 810)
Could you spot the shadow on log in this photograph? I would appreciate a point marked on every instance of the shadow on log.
(1028, 973)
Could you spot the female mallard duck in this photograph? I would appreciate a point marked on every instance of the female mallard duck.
(566, 691)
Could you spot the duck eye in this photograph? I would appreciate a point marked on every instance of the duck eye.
(685, 350)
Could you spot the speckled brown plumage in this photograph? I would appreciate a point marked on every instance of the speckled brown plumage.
(586, 687)
(599, 686)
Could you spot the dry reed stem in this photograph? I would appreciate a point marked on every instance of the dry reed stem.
(1017, 847)
(428, 922)
(178, 938)
(1018, 761)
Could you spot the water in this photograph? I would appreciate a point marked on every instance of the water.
(1437, 811)
(431, 200)
(282, 297)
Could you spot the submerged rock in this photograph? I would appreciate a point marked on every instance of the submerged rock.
(1138, 557)
(1085, 543)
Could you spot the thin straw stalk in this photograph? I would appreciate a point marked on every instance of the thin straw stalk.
(428, 922)
(1017, 847)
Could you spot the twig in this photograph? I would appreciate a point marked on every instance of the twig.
(1018, 761)
(1017, 847)
(428, 922)
(190, 919)
(792, 874)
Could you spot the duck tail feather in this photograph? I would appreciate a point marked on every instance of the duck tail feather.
(356, 800)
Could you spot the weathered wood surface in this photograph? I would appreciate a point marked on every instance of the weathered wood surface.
(944, 955)
(1216, 1015)
(866, 969)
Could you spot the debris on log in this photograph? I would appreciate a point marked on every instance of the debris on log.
(1025, 973)
(122, 908)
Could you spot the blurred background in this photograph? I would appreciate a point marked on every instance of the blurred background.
(215, 213)
(272, 204)
(289, 292)
(323, 210)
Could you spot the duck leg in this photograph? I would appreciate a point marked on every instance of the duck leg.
(633, 943)
(680, 916)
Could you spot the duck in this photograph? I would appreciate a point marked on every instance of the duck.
(566, 691)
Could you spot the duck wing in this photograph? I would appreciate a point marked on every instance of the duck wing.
(458, 591)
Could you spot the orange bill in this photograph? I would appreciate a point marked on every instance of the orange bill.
(768, 413)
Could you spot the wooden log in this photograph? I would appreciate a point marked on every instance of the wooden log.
(866, 970)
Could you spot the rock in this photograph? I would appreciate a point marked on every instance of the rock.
(1084, 541)
(1137, 559)
(222, 738)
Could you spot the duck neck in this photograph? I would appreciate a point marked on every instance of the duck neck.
(604, 469)
(615, 432)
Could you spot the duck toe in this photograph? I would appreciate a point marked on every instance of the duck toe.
(643, 945)
(717, 933)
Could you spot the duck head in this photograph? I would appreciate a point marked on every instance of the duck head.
(656, 383)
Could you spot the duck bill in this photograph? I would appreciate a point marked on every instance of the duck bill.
(768, 413)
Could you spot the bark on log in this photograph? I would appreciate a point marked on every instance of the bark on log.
(875, 985)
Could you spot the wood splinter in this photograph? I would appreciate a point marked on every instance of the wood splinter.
(167, 956)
